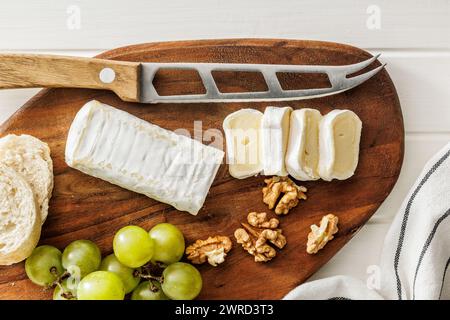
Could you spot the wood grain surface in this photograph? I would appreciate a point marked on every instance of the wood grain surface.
(84, 207)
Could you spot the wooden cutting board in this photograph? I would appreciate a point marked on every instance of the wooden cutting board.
(84, 207)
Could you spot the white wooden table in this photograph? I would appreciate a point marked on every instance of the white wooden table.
(412, 35)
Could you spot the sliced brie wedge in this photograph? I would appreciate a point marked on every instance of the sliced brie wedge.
(122, 149)
(302, 156)
(243, 135)
(339, 137)
(275, 135)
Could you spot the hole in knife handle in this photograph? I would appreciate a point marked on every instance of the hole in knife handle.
(239, 81)
(300, 81)
(169, 82)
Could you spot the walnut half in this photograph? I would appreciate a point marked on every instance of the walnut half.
(274, 236)
(291, 194)
(213, 250)
(320, 236)
(262, 253)
(254, 237)
(260, 220)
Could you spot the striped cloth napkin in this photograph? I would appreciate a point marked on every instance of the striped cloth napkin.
(416, 252)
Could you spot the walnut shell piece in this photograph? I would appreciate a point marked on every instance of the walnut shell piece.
(213, 250)
(320, 236)
(291, 194)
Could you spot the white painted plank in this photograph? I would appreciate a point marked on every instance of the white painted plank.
(419, 148)
(11, 100)
(84, 24)
(422, 80)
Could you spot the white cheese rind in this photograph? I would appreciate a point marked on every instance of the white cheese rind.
(339, 138)
(243, 136)
(302, 154)
(122, 149)
(275, 135)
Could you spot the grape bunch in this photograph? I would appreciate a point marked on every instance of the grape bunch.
(144, 264)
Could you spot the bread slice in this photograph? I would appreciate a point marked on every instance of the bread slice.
(30, 157)
(20, 221)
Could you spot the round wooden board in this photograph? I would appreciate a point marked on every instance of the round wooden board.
(84, 207)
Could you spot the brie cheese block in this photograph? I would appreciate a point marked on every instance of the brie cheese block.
(275, 135)
(122, 149)
(243, 136)
(339, 137)
(302, 156)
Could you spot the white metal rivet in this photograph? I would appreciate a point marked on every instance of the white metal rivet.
(107, 75)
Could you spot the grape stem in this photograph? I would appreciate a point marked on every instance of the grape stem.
(151, 272)
(65, 294)
(59, 278)
(147, 276)
(153, 288)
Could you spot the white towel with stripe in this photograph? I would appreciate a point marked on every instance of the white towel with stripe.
(416, 252)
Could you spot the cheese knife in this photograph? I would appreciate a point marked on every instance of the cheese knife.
(133, 81)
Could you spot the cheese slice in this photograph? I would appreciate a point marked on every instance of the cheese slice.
(122, 149)
(242, 132)
(302, 156)
(340, 134)
(275, 135)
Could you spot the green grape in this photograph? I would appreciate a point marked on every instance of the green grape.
(101, 285)
(149, 291)
(81, 257)
(44, 266)
(112, 264)
(133, 246)
(182, 281)
(67, 290)
(169, 243)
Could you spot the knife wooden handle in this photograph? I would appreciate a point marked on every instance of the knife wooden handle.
(49, 71)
